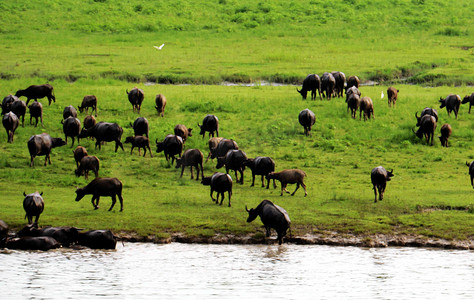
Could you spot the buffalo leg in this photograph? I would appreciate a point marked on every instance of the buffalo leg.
(192, 175)
(267, 229)
(149, 150)
(241, 176)
(182, 171)
(304, 186)
(117, 144)
(121, 201)
(222, 197)
(96, 206)
(229, 194)
(212, 198)
(114, 199)
(202, 172)
(253, 179)
(375, 192)
(32, 161)
(297, 187)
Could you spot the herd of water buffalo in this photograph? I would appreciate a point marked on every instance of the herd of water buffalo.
(225, 151)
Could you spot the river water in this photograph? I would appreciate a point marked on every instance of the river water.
(197, 271)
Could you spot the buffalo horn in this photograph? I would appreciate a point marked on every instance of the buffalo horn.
(416, 115)
(24, 194)
(41, 194)
(247, 208)
(467, 164)
(299, 91)
(156, 141)
(391, 171)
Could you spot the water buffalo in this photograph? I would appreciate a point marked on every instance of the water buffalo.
(72, 128)
(233, 160)
(352, 90)
(79, 153)
(104, 131)
(69, 111)
(139, 142)
(222, 147)
(66, 236)
(392, 96)
(366, 106)
(88, 101)
(426, 111)
(452, 103)
(272, 216)
(37, 92)
(89, 121)
(353, 81)
(379, 177)
(261, 166)
(212, 143)
(42, 144)
(182, 131)
(221, 183)
(160, 104)
(191, 158)
(210, 123)
(471, 172)
(340, 82)
(43, 243)
(36, 111)
(307, 120)
(97, 239)
(446, 131)
(136, 96)
(88, 163)
(427, 128)
(18, 107)
(140, 126)
(10, 122)
(310, 83)
(7, 102)
(353, 103)
(110, 187)
(328, 83)
(289, 176)
(33, 205)
(172, 145)
(468, 99)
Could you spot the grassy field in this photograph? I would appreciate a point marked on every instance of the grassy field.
(105, 47)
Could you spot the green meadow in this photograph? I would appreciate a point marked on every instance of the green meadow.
(423, 48)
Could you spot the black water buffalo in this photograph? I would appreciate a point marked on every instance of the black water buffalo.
(233, 160)
(7, 102)
(42, 144)
(88, 101)
(427, 128)
(183, 131)
(289, 176)
(210, 123)
(452, 103)
(272, 216)
(340, 82)
(191, 158)
(446, 131)
(172, 145)
(10, 123)
(471, 171)
(72, 128)
(468, 99)
(89, 121)
(379, 177)
(104, 132)
(392, 96)
(97, 239)
(353, 103)
(353, 81)
(33, 204)
(136, 96)
(212, 143)
(64, 235)
(312, 82)
(88, 163)
(328, 83)
(352, 90)
(367, 107)
(79, 153)
(69, 111)
(37, 92)
(139, 142)
(140, 126)
(261, 166)
(221, 183)
(43, 243)
(426, 111)
(307, 119)
(18, 107)
(160, 104)
(36, 111)
(222, 147)
(109, 187)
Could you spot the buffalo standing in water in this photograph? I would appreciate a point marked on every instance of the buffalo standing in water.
(272, 216)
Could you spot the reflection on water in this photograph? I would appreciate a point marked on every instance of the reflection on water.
(177, 271)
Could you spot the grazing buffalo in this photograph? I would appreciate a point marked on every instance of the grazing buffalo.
(139, 142)
(72, 128)
(261, 166)
(353, 81)
(42, 144)
(37, 92)
(104, 132)
(89, 121)
(88, 101)
(79, 153)
(340, 82)
(471, 171)
(172, 145)
(110, 187)
(18, 107)
(289, 176)
(379, 177)
(307, 120)
(182, 131)
(352, 90)
(140, 126)
(392, 95)
(427, 128)
(160, 104)
(353, 102)
(10, 122)
(446, 131)
(310, 83)
(97, 239)
(222, 147)
(328, 83)
(33, 205)
(36, 111)
(69, 111)
(233, 160)
(66, 236)
(43, 243)
(88, 163)
(452, 103)
(136, 96)
(272, 216)
(366, 106)
(221, 183)
(212, 143)
(468, 99)
(7, 102)
(426, 111)
(191, 158)
(210, 123)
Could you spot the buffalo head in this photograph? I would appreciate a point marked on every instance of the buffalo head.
(252, 214)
